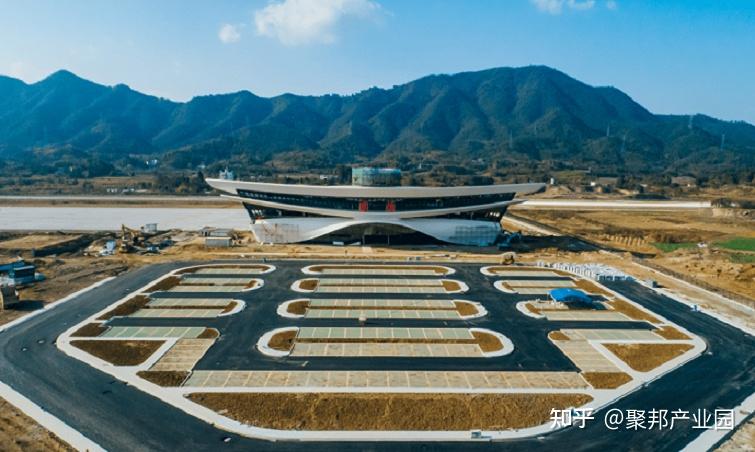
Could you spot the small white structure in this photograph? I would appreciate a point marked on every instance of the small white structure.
(218, 242)
(150, 228)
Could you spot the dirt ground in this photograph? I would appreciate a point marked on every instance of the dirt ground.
(341, 411)
(298, 307)
(128, 307)
(487, 342)
(671, 333)
(20, 433)
(465, 308)
(166, 284)
(682, 230)
(166, 378)
(558, 336)
(32, 241)
(646, 357)
(90, 330)
(282, 341)
(606, 380)
(632, 311)
(743, 440)
(119, 353)
(63, 275)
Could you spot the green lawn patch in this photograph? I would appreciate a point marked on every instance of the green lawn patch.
(669, 247)
(740, 258)
(738, 244)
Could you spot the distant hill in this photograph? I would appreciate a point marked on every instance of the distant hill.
(529, 114)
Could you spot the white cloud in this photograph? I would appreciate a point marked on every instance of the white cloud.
(297, 22)
(611, 4)
(229, 34)
(557, 6)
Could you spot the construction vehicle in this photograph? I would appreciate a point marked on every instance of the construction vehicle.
(135, 240)
(508, 258)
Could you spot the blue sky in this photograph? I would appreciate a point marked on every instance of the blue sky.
(672, 56)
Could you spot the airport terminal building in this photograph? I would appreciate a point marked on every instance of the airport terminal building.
(375, 209)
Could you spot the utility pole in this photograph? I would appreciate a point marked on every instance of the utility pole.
(608, 130)
(723, 140)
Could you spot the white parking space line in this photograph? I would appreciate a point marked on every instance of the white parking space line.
(198, 289)
(427, 314)
(546, 273)
(183, 355)
(383, 333)
(378, 271)
(387, 350)
(176, 313)
(584, 356)
(228, 271)
(223, 281)
(380, 282)
(379, 302)
(150, 332)
(463, 380)
(612, 335)
(585, 315)
(516, 283)
(533, 290)
(202, 302)
(380, 289)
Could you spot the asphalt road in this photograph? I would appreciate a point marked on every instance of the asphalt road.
(120, 417)
(235, 349)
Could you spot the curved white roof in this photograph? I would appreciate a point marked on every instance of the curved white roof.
(355, 191)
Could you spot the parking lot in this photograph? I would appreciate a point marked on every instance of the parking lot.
(234, 361)
(422, 316)
(409, 333)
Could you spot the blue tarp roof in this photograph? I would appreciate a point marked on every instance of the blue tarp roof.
(4, 268)
(566, 295)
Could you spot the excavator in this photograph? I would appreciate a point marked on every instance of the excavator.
(135, 240)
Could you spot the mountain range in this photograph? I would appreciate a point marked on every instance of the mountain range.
(528, 114)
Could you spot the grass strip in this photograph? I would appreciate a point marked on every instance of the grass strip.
(606, 380)
(119, 353)
(392, 411)
(646, 357)
(165, 378)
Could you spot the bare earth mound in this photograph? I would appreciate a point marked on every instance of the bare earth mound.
(341, 411)
(606, 380)
(120, 353)
(646, 357)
